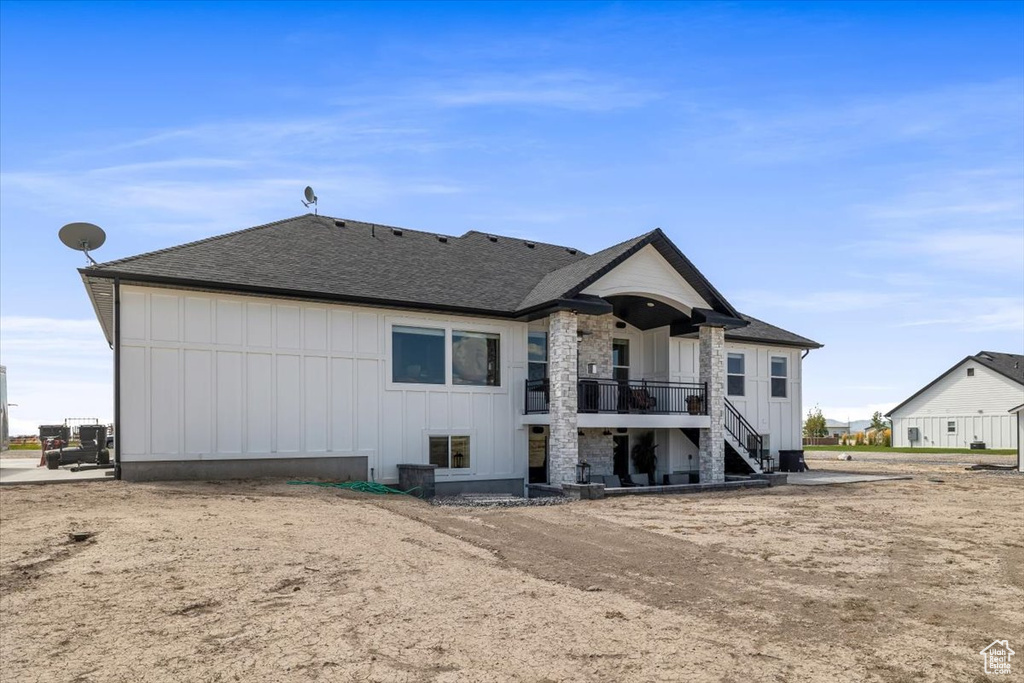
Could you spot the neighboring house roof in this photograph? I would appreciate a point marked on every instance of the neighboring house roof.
(325, 258)
(1009, 365)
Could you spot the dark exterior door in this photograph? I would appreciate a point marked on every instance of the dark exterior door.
(620, 466)
(538, 457)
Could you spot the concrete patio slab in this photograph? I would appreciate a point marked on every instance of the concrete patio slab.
(826, 478)
(25, 471)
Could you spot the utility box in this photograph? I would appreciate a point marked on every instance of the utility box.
(417, 479)
(913, 434)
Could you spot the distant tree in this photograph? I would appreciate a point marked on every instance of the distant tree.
(814, 425)
(878, 421)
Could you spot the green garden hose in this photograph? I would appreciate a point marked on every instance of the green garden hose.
(361, 486)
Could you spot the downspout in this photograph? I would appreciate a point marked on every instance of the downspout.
(117, 378)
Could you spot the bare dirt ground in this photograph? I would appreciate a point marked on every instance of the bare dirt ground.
(889, 581)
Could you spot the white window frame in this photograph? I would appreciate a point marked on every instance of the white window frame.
(951, 423)
(732, 374)
(772, 377)
(445, 472)
(447, 324)
(462, 329)
(445, 371)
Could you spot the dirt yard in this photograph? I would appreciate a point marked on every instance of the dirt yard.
(888, 581)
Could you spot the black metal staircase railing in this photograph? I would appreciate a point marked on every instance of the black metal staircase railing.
(747, 436)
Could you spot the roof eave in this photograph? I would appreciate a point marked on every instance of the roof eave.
(105, 318)
(231, 288)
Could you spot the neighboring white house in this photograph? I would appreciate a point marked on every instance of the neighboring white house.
(837, 428)
(323, 347)
(1018, 412)
(969, 403)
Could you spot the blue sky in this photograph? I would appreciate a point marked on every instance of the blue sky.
(853, 172)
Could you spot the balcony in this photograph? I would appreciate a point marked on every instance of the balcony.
(624, 397)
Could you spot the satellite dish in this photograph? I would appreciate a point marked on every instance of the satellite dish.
(310, 198)
(83, 237)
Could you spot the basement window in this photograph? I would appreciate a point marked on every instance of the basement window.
(476, 358)
(736, 374)
(779, 376)
(417, 355)
(449, 452)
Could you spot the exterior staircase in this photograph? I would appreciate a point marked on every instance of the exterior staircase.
(744, 447)
(744, 440)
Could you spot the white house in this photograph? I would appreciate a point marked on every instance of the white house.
(837, 428)
(969, 403)
(322, 347)
(1018, 413)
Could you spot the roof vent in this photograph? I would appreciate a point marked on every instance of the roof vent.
(492, 238)
(396, 232)
(530, 245)
(339, 224)
(571, 250)
(442, 239)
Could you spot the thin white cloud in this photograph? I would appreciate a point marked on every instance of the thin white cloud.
(952, 115)
(561, 90)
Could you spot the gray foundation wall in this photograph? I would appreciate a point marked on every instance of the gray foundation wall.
(335, 469)
(513, 487)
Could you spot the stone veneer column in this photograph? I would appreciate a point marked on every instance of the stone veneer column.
(712, 372)
(598, 450)
(595, 345)
(563, 443)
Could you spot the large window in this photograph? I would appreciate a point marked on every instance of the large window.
(476, 358)
(620, 359)
(779, 376)
(449, 452)
(736, 374)
(417, 355)
(538, 355)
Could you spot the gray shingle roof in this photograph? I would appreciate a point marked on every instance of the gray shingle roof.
(327, 258)
(561, 282)
(760, 331)
(311, 254)
(1010, 365)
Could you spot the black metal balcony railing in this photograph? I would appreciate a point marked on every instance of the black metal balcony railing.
(644, 397)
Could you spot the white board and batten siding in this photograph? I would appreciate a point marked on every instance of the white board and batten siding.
(977, 406)
(208, 376)
(646, 273)
(781, 418)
